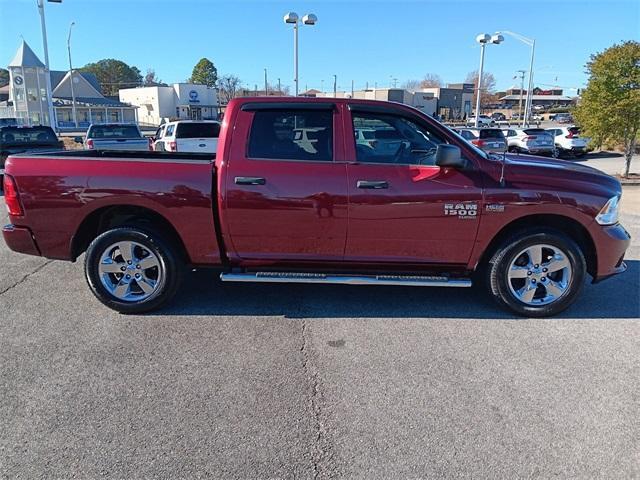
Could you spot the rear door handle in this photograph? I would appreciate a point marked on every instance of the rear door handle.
(250, 181)
(372, 184)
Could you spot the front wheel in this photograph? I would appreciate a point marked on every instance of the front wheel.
(132, 270)
(537, 273)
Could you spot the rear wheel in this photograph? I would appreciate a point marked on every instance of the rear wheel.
(537, 273)
(132, 270)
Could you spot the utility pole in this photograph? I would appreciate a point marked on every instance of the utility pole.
(335, 85)
(351, 88)
(266, 85)
(521, 72)
(279, 88)
(322, 85)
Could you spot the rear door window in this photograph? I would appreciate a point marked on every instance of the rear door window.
(198, 130)
(292, 135)
(491, 133)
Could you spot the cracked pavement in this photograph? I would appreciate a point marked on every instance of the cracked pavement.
(254, 381)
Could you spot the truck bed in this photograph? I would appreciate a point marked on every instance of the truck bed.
(61, 192)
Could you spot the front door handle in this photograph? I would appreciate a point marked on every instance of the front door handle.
(372, 184)
(250, 181)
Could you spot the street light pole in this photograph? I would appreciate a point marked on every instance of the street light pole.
(521, 72)
(292, 18)
(73, 94)
(47, 74)
(483, 39)
(527, 107)
(335, 86)
(532, 43)
(266, 85)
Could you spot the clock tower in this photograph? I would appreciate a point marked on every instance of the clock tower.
(28, 88)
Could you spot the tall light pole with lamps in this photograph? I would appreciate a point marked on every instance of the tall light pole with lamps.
(532, 43)
(483, 39)
(292, 18)
(47, 74)
(73, 94)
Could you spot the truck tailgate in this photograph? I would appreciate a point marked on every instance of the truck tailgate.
(197, 145)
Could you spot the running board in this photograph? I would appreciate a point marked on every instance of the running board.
(286, 277)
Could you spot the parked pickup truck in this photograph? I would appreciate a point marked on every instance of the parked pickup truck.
(14, 139)
(436, 211)
(114, 136)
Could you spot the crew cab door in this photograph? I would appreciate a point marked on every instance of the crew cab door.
(402, 207)
(286, 188)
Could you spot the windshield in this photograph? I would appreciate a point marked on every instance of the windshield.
(114, 131)
(198, 130)
(28, 135)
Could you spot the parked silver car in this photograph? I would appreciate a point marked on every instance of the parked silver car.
(491, 140)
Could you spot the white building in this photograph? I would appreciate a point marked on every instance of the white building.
(174, 102)
(27, 96)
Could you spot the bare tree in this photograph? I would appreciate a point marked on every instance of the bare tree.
(411, 85)
(488, 87)
(431, 80)
(228, 87)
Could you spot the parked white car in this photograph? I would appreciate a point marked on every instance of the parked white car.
(534, 141)
(190, 136)
(568, 140)
(483, 121)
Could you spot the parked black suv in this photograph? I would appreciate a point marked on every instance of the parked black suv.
(14, 139)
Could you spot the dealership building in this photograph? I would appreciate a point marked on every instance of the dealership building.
(180, 101)
(26, 97)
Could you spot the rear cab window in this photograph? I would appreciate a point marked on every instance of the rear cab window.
(27, 135)
(305, 135)
(114, 131)
(198, 130)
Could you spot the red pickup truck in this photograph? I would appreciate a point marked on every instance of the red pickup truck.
(321, 191)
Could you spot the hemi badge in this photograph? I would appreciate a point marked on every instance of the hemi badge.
(495, 207)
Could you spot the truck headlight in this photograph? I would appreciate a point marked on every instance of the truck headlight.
(609, 213)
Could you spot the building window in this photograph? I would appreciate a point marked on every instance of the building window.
(32, 95)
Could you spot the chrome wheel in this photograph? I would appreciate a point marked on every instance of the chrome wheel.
(539, 275)
(130, 271)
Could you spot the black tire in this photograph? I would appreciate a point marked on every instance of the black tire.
(508, 252)
(169, 270)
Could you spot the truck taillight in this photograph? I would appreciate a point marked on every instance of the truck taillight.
(530, 137)
(90, 144)
(173, 147)
(11, 197)
(478, 142)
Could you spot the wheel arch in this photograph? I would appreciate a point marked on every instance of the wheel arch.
(106, 218)
(560, 223)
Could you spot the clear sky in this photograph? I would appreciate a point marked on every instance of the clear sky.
(372, 41)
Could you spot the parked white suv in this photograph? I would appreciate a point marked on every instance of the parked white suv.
(191, 136)
(483, 121)
(568, 140)
(534, 141)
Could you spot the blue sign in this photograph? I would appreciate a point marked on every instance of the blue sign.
(193, 96)
(18, 80)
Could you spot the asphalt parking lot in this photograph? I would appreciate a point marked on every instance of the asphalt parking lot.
(266, 381)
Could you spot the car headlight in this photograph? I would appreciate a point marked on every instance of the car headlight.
(609, 213)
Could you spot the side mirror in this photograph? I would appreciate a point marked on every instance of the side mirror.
(78, 139)
(449, 156)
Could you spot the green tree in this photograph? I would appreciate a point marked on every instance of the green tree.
(4, 77)
(114, 75)
(609, 110)
(204, 73)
